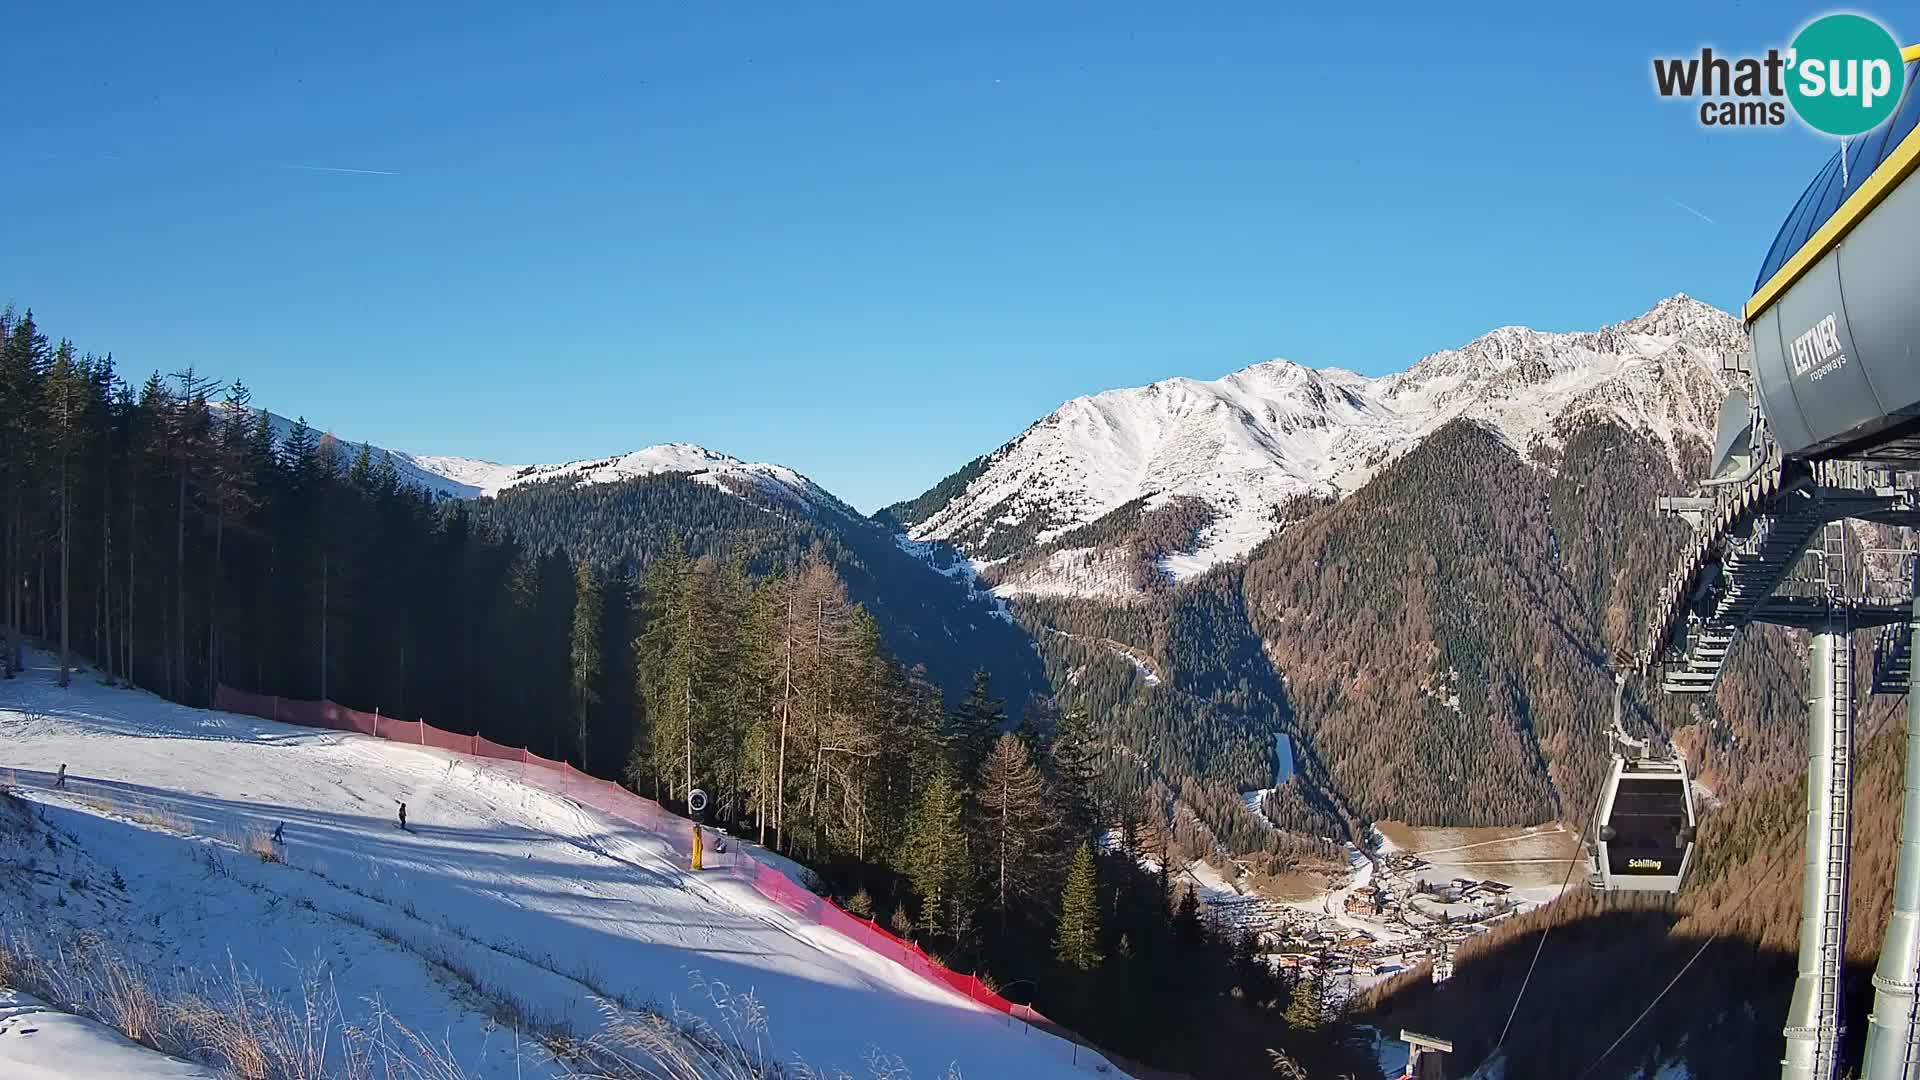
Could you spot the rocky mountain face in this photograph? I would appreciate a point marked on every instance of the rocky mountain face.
(1241, 451)
(1442, 562)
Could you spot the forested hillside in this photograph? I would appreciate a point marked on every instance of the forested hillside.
(1445, 632)
(1437, 644)
(1434, 607)
(931, 620)
(1192, 707)
(1432, 648)
(1605, 958)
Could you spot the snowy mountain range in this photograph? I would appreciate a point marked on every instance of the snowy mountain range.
(1242, 444)
(466, 478)
(1247, 442)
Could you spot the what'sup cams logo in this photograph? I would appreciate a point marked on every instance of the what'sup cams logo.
(1842, 76)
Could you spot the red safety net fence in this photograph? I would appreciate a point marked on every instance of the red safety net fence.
(559, 777)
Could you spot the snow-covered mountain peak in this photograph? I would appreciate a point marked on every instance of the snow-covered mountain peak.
(465, 478)
(1683, 320)
(1247, 441)
(703, 465)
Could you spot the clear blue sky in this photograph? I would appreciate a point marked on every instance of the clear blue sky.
(871, 241)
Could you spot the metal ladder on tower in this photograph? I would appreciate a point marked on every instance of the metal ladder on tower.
(1839, 795)
(1833, 931)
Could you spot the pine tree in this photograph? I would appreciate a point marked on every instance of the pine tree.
(1077, 943)
(1187, 926)
(1075, 773)
(66, 408)
(975, 725)
(661, 687)
(23, 358)
(235, 474)
(1015, 821)
(360, 473)
(937, 860)
(585, 654)
(1304, 1012)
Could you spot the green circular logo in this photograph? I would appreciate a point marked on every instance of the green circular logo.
(1845, 74)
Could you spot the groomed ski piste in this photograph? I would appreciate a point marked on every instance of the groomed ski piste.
(497, 892)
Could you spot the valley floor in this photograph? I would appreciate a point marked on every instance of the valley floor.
(1326, 923)
(497, 891)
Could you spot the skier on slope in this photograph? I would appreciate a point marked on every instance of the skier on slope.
(403, 815)
(60, 782)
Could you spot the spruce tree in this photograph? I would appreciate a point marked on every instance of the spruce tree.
(1075, 773)
(585, 654)
(66, 408)
(23, 359)
(1078, 942)
(937, 860)
(1304, 1012)
(975, 725)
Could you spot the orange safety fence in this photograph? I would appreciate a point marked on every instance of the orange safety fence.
(558, 776)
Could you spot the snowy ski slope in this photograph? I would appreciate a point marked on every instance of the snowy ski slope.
(529, 891)
(37, 1043)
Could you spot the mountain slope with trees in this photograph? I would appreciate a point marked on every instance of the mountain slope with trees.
(1604, 958)
(937, 621)
(169, 534)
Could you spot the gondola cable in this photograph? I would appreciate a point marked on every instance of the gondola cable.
(1619, 696)
(1537, 950)
(1697, 953)
(1671, 983)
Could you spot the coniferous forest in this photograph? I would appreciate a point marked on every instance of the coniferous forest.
(163, 531)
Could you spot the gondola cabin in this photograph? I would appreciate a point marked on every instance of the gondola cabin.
(1643, 831)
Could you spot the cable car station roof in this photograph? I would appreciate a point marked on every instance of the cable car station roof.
(1838, 198)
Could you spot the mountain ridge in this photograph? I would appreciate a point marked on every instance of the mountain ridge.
(1248, 441)
(457, 477)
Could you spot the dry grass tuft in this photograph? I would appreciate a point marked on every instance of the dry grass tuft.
(229, 1020)
(164, 820)
(260, 843)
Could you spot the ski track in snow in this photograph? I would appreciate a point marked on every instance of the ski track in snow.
(527, 888)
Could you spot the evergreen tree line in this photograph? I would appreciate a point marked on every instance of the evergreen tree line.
(631, 523)
(170, 534)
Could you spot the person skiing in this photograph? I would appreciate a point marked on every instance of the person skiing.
(403, 815)
(60, 782)
(279, 833)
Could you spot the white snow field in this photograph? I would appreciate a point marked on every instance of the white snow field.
(497, 888)
(38, 1043)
